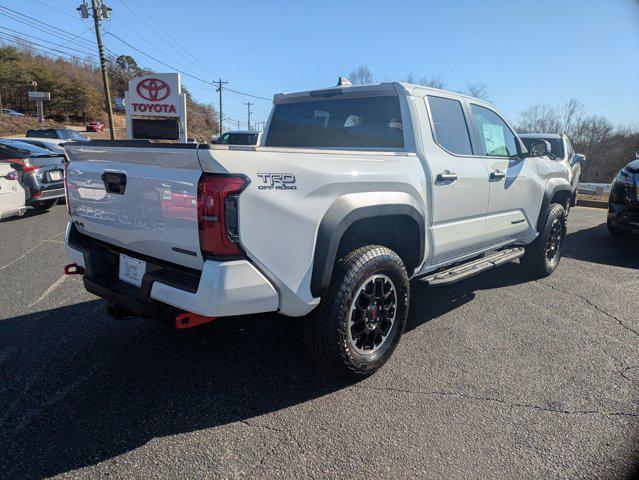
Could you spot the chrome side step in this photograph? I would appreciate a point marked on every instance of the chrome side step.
(469, 269)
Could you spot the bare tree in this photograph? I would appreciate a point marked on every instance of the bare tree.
(410, 78)
(606, 147)
(361, 76)
(433, 82)
(477, 90)
(571, 116)
(539, 118)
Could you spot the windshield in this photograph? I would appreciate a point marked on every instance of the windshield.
(72, 134)
(21, 148)
(556, 145)
(365, 122)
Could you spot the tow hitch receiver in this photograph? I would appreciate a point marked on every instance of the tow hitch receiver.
(73, 269)
(188, 320)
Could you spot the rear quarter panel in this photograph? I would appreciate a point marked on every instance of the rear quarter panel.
(278, 226)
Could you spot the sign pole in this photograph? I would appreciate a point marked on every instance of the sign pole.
(40, 107)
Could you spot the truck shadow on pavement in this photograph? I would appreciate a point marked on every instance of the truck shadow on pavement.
(78, 388)
(596, 245)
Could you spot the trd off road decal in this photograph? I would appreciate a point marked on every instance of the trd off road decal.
(277, 181)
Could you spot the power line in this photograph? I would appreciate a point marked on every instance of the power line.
(159, 61)
(29, 21)
(206, 67)
(66, 37)
(155, 32)
(179, 45)
(57, 9)
(249, 95)
(146, 41)
(28, 43)
(62, 55)
(45, 40)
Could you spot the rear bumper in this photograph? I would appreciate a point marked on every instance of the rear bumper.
(48, 194)
(220, 289)
(12, 212)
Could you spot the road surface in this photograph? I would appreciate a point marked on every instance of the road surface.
(499, 376)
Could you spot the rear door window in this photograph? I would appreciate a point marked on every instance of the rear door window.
(242, 139)
(495, 137)
(449, 125)
(365, 122)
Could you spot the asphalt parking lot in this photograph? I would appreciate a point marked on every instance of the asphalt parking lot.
(499, 376)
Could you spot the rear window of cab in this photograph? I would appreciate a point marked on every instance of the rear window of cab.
(362, 122)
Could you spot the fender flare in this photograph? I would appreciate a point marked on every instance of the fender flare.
(347, 210)
(553, 187)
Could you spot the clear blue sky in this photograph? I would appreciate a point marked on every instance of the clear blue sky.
(524, 52)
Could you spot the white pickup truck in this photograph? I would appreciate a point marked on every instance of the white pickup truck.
(352, 192)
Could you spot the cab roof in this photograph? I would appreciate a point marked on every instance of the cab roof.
(384, 88)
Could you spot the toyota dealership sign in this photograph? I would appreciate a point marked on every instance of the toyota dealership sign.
(152, 96)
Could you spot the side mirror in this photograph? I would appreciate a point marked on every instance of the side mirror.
(578, 158)
(538, 148)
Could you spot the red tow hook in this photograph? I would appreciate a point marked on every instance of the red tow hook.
(73, 269)
(188, 320)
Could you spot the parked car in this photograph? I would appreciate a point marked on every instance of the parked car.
(57, 133)
(238, 137)
(11, 113)
(623, 203)
(12, 194)
(561, 150)
(55, 146)
(355, 191)
(95, 126)
(40, 172)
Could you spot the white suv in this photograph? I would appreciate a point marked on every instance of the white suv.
(353, 191)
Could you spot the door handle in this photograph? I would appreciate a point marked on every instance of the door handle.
(446, 176)
(497, 175)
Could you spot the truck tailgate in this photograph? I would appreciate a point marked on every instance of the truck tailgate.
(140, 199)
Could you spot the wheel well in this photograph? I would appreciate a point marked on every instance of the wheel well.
(400, 233)
(561, 197)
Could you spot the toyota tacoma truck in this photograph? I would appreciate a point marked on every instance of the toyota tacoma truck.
(352, 192)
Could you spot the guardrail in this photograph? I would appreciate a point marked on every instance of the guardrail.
(598, 189)
(595, 189)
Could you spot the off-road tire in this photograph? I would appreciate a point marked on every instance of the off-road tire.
(45, 204)
(617, 231)
(327, 331)
(536, 258)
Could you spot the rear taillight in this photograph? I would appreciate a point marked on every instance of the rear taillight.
(217, 213)
(30, 168)
(66, 188)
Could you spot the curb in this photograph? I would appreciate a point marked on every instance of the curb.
(592, 203)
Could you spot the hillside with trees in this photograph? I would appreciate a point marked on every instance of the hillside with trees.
(77, 95)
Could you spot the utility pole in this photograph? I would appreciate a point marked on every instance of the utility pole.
(100, 11)
(238, 124)
(219, 89)
(248, 104)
